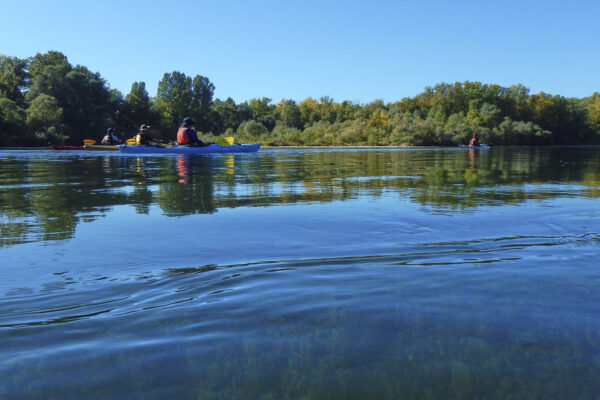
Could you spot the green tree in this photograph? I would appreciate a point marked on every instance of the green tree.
(13, 79)
(230, 114)
(263, 111)
(174, 99)
(44, 119)
(593, 112)
(179, 96)
(12, 123)
(288, 113)
(309, 111)
(202, 93)
(252, 129)
(137, 109)
(39, 62)
(87, 103)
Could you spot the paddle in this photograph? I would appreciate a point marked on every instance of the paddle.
(89, 141)
(160, 143)
(225, 141)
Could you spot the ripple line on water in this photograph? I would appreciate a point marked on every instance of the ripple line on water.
(171, 287)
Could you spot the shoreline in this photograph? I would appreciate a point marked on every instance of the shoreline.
(270, 147)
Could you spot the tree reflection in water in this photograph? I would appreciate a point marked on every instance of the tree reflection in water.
(44, 198)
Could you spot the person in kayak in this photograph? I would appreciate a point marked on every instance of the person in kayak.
(143, 138)
(187, 135)
(474, 141)
(111, 138)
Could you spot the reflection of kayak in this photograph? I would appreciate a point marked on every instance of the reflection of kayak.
(481, 146)
(211, 148)
(101, 147)
(61, 147)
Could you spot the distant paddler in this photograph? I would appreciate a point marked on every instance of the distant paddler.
(143, 138)
(474, 141)
(111, 138)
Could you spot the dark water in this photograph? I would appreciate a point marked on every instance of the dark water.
(301, 274)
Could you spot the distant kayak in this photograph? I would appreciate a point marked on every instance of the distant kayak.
(481, 146)
(102, 147)
(210, 149)
(62, 147)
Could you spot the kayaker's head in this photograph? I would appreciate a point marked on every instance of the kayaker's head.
(187, 122)
(144, 127)
(110, 130)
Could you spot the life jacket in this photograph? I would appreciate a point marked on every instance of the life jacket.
(108, 139)
(183, 135)
(142, 138)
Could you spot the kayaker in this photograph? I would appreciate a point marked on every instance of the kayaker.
(474, 141)
(187, 135)
(142, 138)
(111, 138)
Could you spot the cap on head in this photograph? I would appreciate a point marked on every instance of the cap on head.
(144, 127)
(187, 122)
(110, 130)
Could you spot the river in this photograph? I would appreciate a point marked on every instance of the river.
(428, 273)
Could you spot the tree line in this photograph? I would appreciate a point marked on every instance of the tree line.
(44, 99)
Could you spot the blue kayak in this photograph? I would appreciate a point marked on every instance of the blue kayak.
(481, 146)
(210, 149)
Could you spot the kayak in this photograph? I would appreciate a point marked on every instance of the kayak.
(210, 149)
(481, 146)
(102, 147)
(62, 147)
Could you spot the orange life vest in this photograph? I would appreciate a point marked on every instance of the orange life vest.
(183, 137)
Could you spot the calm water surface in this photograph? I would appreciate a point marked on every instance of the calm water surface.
(301, 274)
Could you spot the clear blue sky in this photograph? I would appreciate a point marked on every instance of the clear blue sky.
(348, 50)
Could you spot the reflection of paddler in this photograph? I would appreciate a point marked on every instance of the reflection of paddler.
(182, 168)
(140, 168)
(311, 188)
(472, 156)
(230, 164)
(190, 168)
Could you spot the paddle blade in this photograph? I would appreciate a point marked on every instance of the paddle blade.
(130, 141)
(89, 141)
(229, 139)
(222, 142)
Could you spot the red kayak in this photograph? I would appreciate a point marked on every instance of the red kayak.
(61, 147)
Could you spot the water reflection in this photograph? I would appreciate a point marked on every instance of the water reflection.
(44, 196)
(192, 193)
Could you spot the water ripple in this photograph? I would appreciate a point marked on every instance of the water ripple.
(174, 287)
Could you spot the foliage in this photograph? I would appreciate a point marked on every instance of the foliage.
(44, 119)
(137, 109)
(13, 79)
(12, 123)
(44, 98)
(179, 96)
(174, 99)
(87, 104)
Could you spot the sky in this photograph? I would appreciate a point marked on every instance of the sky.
(348, 50)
